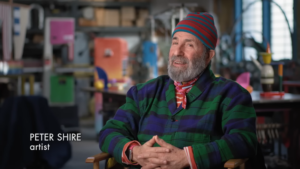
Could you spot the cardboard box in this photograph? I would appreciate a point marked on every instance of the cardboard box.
(111, 17)
(128, 13)
(99, 16)
(86, 22)
(133, 0)
(98, 0)
(127, 23)
(140, 22)
(143, 14)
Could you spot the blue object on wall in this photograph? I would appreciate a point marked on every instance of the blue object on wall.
(102, 75)
(150, 56)
(295, 42)
(267, 23)
(239, 28)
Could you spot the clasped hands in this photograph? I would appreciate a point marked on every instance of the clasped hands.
(164, 157)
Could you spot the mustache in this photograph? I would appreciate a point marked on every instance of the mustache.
(179, 58)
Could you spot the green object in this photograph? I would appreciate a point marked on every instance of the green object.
(280, 83)
(61, 89)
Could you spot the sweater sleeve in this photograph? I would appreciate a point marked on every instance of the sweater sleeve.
(239, 139)
(122, 128)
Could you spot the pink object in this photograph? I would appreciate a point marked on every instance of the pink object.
(6, 19)
(61, 31)
(244, 79)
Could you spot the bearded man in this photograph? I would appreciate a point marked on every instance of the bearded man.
(189, 119)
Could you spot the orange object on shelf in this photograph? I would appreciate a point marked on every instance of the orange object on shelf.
(111, 56)
(271, 94)
(249, 89)
(280, 70)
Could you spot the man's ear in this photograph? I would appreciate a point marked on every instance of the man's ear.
(211, 54)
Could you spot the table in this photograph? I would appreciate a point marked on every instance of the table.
(287, 84)
(287, 102)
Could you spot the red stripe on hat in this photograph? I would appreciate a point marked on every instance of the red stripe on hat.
(212, 31)
(198, 26)
(204, 27)
(201, 16)
(190, 30)
(208, 15)
(212, 27)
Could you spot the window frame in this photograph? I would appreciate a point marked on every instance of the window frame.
(266, 17)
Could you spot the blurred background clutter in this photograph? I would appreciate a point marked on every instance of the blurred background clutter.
(69, 64)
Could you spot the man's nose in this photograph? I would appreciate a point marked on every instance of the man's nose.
(179, 50)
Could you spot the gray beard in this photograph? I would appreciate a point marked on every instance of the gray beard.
(194, 68)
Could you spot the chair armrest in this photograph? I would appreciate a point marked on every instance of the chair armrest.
(233, 163)
(98, 157)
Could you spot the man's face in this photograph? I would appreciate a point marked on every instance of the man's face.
(187, 57)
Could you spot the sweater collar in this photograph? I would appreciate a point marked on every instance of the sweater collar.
(205, 79)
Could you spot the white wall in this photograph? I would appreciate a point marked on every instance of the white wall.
(158, 6)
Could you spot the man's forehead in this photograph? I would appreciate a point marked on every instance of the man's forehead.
(185, 36)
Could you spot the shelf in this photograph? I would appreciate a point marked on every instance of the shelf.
(113, 4)
(86, 3)
(42, 2)
(35, 31)
(33, 69)
(74, 69)
(111, 29)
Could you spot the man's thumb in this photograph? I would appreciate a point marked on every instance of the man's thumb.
(151, 142)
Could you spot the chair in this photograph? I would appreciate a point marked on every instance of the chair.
(230, 164)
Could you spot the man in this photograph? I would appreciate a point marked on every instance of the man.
(187, 119)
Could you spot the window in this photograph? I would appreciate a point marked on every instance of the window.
(281, 44)
(252, 25)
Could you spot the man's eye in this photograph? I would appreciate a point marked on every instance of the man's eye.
(190, 45)
(174, 43)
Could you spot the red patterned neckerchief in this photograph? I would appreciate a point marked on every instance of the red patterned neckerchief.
(182, 90)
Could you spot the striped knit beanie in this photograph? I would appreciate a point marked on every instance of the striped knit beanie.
(200, 25)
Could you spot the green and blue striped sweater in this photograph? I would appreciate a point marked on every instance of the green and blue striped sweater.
(219, 121)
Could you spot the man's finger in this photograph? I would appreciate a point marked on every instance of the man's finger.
(159, 150)
(157, 161)
(162, 143)
(147, 155)
(150, 143)
(150, 166)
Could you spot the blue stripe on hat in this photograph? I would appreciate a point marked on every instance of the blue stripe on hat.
(184, 30)
(194, 17)
(214, 32)
(197, 32)
(206, 16)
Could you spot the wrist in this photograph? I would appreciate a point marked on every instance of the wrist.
(185, 161)
(134, 153)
